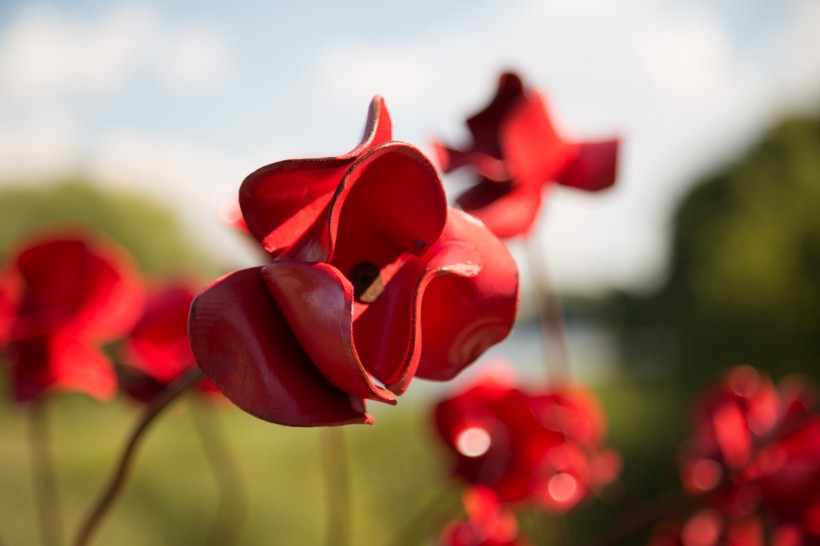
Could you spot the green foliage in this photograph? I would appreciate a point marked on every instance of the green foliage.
(744, 284)
(151, 232)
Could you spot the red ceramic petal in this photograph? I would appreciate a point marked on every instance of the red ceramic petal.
(388, 332)
(594, 165)
(60, 362)
(484, 164)
(391, 201)
(317, 302)
(532, 150)
(463, 316)
(281, 201)
(89, 289)
(241, 340)
(158, 344)
(507, 210)
(485, 125)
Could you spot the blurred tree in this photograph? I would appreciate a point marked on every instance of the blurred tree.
(744, 282)
(150, 231)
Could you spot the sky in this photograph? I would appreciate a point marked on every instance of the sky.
(183, 99)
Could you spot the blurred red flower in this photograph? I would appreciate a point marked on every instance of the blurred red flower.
(488, 523)
(373, 278)
(544, 447)
(62, 297)
(516, 153)
(157, 350)
(756, 454)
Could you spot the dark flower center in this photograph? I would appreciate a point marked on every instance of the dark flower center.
(367, 282)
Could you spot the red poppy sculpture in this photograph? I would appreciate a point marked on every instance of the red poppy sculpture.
(70, 294)
(544, 448)
(516, 153)
(488, 523)
(755, 457)
(157, 352)
(373, 281)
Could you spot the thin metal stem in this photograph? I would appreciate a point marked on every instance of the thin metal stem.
(106, 500)
(338, 487)
(45, 482)
(550, 315)
(227, 526)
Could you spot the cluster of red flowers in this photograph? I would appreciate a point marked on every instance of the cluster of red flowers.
(63, 296)
(372, 280)
(754, 463)
(543, 447)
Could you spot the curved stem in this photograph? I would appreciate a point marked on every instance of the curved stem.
(550, 315)
(227, 525)
(338, 487)
(45, 483)
(106, 500)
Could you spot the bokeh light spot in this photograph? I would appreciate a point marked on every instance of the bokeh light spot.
(473, 442)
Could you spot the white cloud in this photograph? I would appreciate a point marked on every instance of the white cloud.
(39, 149)
(47, 55)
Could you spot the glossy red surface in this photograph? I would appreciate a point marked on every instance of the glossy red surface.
(373, 281)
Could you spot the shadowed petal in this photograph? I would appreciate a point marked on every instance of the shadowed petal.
(281, 201)
(463, 316)
(485, 125)
(507, 210)
(158, 344)
(317, 302)
(243, 343)
(389, 332)
(594, 166)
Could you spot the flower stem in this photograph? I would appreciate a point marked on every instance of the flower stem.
(550, 315)
(227, 525)
(338, 487)
(106, 500)
(45, 483)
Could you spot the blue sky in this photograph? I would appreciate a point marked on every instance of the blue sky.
(183, 99)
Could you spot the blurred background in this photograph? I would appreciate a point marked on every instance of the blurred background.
(142, 118)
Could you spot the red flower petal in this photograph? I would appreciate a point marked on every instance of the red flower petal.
(158, 344)
(389, 332)
(60, 362)
(463, 316)
(507, 210)
(88, 289)
(532, 150)
(593, 167)
(485, 124)
(391, 201)
(243, 343)
(10, 295)
(281, 201)
(317, 302)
